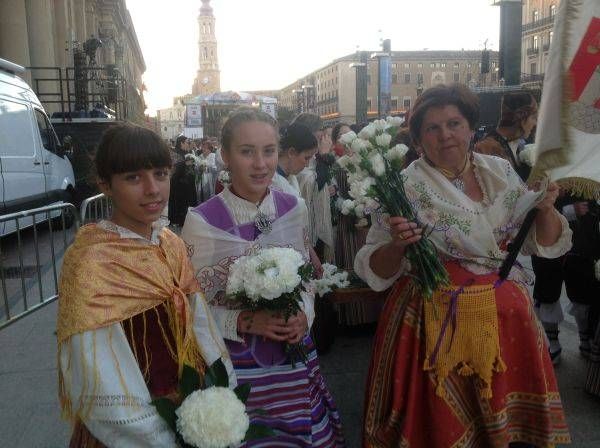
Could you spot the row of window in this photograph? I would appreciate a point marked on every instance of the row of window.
(535, 14)
(455, 65)
(535, 41)
(206, 28)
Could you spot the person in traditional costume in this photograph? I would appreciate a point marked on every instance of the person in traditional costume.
(208, 181)
(468, 366)
(183, 183)
(246, 216)
(317, 189)
(130, 310)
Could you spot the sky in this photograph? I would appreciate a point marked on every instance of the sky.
(268, 44)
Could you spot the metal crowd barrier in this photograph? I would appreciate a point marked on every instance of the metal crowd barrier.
(29, 275)
(95, 208)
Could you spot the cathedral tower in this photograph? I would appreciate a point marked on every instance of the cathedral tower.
(208, 77)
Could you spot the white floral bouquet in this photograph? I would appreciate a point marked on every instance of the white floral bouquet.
(348, 207)
(273, 280)
(332, 279)
(224, 177)
(213, 417)
(377, 185)
(527, 153)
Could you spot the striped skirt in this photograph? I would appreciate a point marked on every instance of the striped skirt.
(294, 401)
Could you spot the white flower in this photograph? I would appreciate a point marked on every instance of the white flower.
(345, 161)
(348, 138)
(598, 270)
(212, 418)
(394, 121)
(347, 207)
(359, 145)
(360, 188)
(377, 163)
(331, 279)
(359, 210)
(224, 177)
(380, 125)
(383, 140)
(367, 132)
(398, 152)
(266, 275)
(527, 153)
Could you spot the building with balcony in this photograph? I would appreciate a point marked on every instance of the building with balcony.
(330, 91)
(537, 24)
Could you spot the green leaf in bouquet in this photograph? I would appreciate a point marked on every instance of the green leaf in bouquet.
(258, 432)
(166, 409)
(189, 382)
(216, 375)
(242, 392)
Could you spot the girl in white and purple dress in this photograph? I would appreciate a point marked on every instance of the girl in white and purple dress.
(244, 218)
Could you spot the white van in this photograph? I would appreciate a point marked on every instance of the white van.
(34, 171)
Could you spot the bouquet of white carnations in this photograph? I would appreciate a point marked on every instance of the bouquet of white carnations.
(377, 185)
(332, 279)
(348, 207)
(271, 280)
(213, 417)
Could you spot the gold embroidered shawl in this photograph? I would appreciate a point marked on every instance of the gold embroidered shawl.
(107, 279)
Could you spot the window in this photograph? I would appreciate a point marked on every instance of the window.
(494, 77)
(536, 42)
(394, 65)
(406, 102)
(536, 15)
(15, 128)
(468, 65)
(368, 103)
(419, 78)
(420, 65)
(394, 103)
(533, 68)
(46, 132)
(432, 65)
(407, 65)
(469, 77)
(550, 37)
(552, 10)
(205, 53)
(394, 78)
(456, 77)
(443, 64)
(456, 65)
(368, 79)
(407, 78)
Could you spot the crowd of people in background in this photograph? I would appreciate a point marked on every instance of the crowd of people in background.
(465, 188)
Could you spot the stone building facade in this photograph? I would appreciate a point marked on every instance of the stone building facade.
(171, 120)
(331, 90)
(208, 78)
(538, 21)
(46, 33)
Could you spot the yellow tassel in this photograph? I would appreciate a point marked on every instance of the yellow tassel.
(499, 366)
(466, 370)
(486, 392)
(440, 391)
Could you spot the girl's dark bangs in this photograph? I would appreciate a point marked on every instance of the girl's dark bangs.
(141, 152)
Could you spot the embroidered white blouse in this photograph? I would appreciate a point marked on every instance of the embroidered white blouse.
(113, 419)
(473, 233)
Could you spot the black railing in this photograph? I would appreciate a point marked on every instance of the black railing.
(538, 23)
(89, 92)
(531, 77)
(533, 51)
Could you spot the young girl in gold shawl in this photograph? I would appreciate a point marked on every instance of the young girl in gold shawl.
(130, 312)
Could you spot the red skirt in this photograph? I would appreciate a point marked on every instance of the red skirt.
(403, 410)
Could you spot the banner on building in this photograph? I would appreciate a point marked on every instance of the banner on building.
(385, 85)
(568, 132)
(193, 116)
(270, 108)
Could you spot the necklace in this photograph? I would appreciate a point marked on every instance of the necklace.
(455, 179)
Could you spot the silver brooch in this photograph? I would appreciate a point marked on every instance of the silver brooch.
(263, 223)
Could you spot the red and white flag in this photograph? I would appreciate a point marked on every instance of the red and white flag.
(568, 131)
